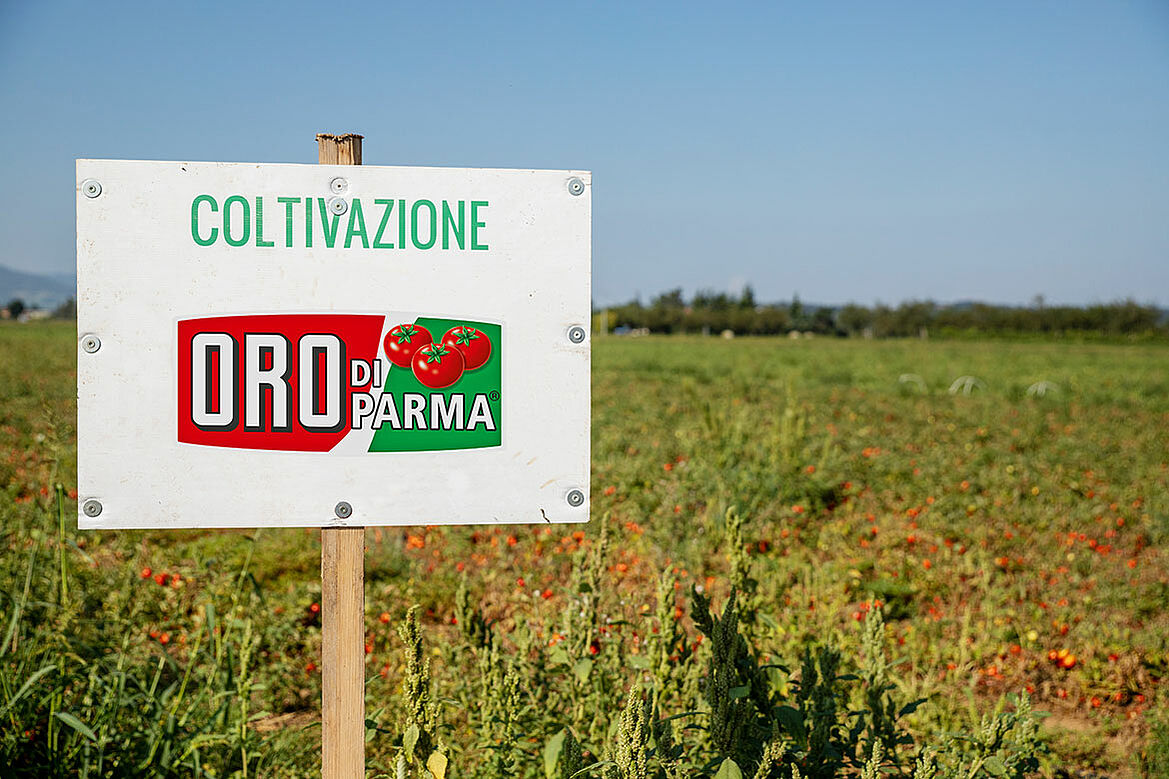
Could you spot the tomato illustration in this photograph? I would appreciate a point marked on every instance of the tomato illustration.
(403, 340)
(471, 342)
(437, 365)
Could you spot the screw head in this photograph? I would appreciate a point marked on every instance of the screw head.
(576, 334)
(343, 510)
(575, 498)
(91, 188)
(575, 186)
(91, 343)
(338, 205)
(91, 508)
(338, 185)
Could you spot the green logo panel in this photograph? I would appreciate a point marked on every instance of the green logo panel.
(465, 415)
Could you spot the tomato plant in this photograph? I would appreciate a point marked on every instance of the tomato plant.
(403, 341)
(471, 342)
(437, 365)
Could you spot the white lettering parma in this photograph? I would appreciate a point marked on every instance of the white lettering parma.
(421, 412)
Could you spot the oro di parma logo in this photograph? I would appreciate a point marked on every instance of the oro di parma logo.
(339, 383)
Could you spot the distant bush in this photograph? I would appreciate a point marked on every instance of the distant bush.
(67, 310)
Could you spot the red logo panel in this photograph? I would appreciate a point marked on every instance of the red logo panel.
(271, 381)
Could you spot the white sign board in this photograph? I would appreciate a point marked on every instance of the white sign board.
(318, 345)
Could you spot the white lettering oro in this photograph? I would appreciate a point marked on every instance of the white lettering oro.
(266, 363)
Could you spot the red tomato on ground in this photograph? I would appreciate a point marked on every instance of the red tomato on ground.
(437, 365)
(471, 342)
(402, 341)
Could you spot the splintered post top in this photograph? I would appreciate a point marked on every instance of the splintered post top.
(339, 149)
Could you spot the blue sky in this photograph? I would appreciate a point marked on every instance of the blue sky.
(842, 151)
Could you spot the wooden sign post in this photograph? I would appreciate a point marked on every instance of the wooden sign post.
(342, 598)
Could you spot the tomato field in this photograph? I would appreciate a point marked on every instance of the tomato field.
(828, 557)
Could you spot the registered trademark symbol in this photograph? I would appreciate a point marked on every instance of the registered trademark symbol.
(493, 395)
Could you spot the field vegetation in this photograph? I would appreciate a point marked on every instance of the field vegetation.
(828, 557)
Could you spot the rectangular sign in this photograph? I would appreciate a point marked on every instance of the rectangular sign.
(311, 345)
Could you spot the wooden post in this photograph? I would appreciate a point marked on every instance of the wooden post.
(342, 599)
(339, 149)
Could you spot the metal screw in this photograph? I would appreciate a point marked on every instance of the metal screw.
(91, 508)
(91, 343)
(91, 188)
(337, 205)
(343, 510)
(575, 186)
(338, 185)
(576, 334)
(575, 498)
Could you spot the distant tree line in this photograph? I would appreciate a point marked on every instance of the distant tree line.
(715, 312)
(16, 308)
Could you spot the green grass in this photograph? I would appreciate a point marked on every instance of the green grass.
(994, 528)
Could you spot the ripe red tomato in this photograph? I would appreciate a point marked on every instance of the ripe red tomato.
(437, 365)
(471, 342)
(402, 341)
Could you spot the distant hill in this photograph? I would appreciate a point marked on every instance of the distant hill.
(37, 290)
